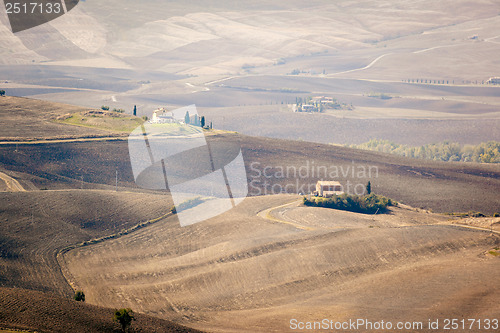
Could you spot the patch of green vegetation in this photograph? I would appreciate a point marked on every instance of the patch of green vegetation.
(494, 253)
(367, 204)
(174, 129)
(468, 214)
(120, 123)
(485, 152)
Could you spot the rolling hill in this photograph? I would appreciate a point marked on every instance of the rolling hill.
(247, 273)
(255, 267)
(72, 217)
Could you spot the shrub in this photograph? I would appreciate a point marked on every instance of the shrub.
(105, 108)
(368, 204)
(475, 214)
(79, 296)
(496, 215)
(124, 317)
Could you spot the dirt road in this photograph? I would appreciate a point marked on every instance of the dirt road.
(11, 184)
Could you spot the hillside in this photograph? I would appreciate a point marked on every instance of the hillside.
(169, 38)
(237, 63)
(36, 225)
(443, 187)
(246, 272)
(26, 119)
(72, 216)
(260, 264)
(40, 312)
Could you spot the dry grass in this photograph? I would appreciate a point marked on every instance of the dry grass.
(37, 225)
(31, 119)
(103, 120)
(240, 272)
(31, 311)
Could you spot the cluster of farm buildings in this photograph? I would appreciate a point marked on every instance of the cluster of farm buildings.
(314, 104)
(493, 80)
(163, 116)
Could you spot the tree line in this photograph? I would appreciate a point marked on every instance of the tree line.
(485, 152)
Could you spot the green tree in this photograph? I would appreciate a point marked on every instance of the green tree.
(187, 119)
(202, 121)
(369, 188)
(135, 110)
(105, 108)
(124, 317)
(2, 92)
(79, 296)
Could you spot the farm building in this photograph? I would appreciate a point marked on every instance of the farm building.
(162, 116)
(494, 80)
(322, 100)
(308, 108)
(328, 188)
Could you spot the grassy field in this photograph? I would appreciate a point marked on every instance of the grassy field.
(30, 119)
(110, 121)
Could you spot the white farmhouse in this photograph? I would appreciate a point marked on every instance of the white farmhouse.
(162, 116)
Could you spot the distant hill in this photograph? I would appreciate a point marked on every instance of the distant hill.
(40, 312)
(231, 36)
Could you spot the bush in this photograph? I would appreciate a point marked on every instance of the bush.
(2, 92)
(105, 108)
(79, 296)
(124, 317)
(496, 215)
(368, 204)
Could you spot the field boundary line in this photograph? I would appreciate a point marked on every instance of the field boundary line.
(43, 141)
(59, 253)
(460, 225)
